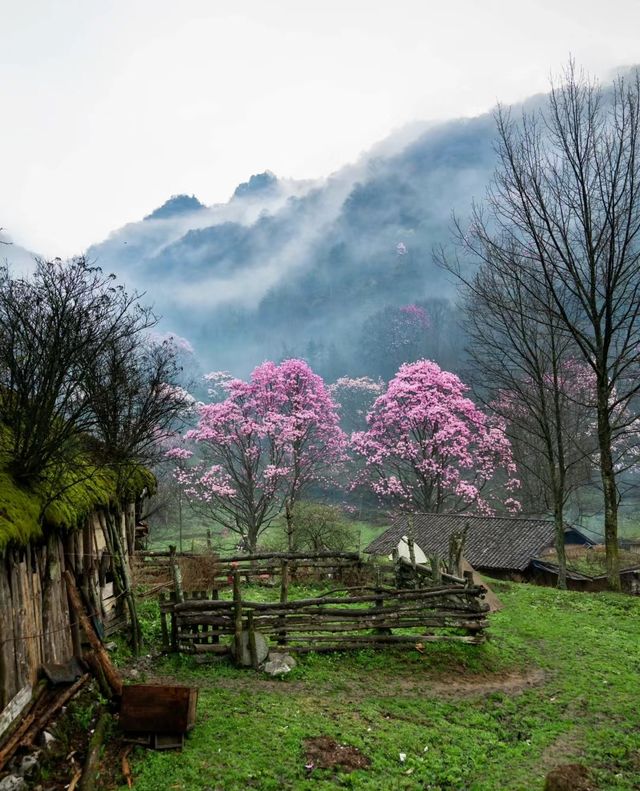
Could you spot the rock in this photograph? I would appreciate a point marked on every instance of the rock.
(13, 783)
(262, 649)
(47, 740)
(28, 766)
(279, 664)
(569, 777)
(111, 646)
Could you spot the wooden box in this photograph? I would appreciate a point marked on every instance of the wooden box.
(158, 708)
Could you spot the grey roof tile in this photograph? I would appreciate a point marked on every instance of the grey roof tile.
(497, 542)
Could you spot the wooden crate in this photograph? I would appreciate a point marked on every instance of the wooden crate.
(158, 708)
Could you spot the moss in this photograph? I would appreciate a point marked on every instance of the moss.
(19, 512)
(88, 488)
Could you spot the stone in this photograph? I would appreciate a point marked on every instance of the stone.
(28, 766)
(111, 646)
(262, 649)
(13, 783)
(279, 663)
(47, 740)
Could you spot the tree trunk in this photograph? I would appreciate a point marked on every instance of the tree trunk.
(609, 490)
(288, 511)
(558, 518)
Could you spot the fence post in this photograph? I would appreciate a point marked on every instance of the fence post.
(176, 574)
(253, 650)
(237, 612)
(436, 571)
(284, 589)
(215, 639)
(379, 606)
(166, 646)
(412, 550)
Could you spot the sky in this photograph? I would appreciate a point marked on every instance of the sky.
(110, 107)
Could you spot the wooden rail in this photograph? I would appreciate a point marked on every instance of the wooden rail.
(382, 617)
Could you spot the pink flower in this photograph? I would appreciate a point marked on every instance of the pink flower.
(428, 446)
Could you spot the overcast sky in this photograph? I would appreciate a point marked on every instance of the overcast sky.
(110, 107)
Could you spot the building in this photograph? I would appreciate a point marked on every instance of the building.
(500, 546)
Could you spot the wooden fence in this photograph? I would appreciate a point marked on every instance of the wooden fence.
(206, 570)
(337, 620)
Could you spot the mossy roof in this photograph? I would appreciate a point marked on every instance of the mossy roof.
(20, 507)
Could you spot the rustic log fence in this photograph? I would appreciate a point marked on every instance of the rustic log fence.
(206, 570)
(346, 618)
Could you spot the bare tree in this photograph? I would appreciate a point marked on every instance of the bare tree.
(52, 326)
(134, 400)
(525, 371)
(565, 201)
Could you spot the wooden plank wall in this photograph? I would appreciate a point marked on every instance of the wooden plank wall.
(35, 622)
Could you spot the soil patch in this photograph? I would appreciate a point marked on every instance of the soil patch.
(570, 777)
(322, 752)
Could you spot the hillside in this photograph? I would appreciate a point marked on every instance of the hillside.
(289, 267)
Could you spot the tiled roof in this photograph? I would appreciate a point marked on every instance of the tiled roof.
(493, 542)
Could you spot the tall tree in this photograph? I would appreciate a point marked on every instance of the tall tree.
(565, 201)
(428, 447)
(261, 447)
(525, 371)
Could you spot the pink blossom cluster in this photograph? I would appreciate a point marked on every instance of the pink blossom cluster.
(429, 447)
(267, 440)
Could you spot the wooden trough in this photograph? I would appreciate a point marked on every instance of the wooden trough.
(158, 715)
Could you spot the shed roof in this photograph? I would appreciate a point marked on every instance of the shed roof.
(493, 542)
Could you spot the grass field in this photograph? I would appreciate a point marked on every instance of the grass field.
(557, 683)
(195, 531)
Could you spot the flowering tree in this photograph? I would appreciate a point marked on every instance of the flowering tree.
(261, 447)
(430, 448)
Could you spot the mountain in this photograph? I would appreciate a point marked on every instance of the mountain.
(177, 204)
(314, 268)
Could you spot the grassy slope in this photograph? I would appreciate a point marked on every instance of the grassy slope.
(250, 728)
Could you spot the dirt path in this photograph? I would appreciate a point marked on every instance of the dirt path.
(454, 686)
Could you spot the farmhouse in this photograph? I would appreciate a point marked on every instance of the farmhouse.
(501, 546)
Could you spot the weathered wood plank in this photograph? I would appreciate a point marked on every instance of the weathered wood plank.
(15, 707)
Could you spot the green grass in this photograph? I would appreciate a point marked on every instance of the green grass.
(463, 715)
(195, 530)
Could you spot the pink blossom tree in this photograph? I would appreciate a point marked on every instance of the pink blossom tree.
(261, 447)
(428, 447)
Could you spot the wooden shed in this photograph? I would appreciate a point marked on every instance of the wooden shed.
(77, 532)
